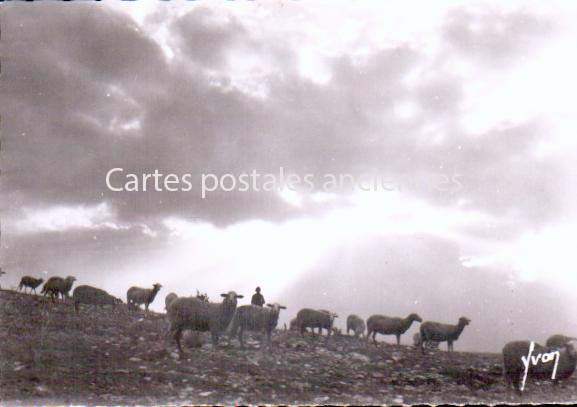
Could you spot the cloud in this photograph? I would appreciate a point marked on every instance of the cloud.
(206, 37)
(493, 37)
(472, 94)
(61, 219)
(188, 120)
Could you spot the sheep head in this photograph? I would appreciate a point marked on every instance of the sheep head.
(157, 287)
(231, 296)
(329, 313)
(414, 317)
(70, 279)
(276, 307)
(463, 321)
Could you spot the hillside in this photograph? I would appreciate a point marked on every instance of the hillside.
(48, 354)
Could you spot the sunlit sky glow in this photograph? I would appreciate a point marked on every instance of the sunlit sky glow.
(484, 90)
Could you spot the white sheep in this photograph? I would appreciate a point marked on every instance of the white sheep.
(435, 331)
(255, 318)
(198, 315)
(136, 296)
(168, 299)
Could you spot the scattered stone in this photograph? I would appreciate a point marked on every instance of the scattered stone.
(359, 357)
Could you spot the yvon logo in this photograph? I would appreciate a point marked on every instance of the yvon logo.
(534, 360)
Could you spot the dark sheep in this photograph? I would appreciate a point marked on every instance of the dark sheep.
(435, 331)
(389, 326)
(29, 282)
(356, 324)
(558, 341)
(311, 318)
(85, 294)
(514, 366)
(58, 286)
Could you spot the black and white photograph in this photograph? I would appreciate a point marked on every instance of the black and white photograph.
(288, 202)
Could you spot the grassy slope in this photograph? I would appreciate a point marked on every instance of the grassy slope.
(50, 354)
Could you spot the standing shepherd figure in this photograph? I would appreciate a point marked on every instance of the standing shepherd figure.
(257, 298)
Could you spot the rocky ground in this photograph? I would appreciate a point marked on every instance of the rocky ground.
(49, 354)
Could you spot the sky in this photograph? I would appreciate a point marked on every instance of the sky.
(458, 117)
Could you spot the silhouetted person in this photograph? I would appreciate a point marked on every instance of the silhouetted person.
(257, 298)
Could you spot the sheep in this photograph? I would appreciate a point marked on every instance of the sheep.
(434, 331)
(85, 294)
(389, 326)
(168, 299)
(136, 296)
(558, 341)
(519, 353)
(202, 296)
(356, 324)
(311, 318)
(29, 282)
(429, 345)
(255, 318)
(198, 315)
(293, 326)
(58, 285)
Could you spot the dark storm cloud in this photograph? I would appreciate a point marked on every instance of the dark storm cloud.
(71, 89)
(206, 38)
(71, 78)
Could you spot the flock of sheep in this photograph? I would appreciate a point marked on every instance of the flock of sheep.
(201, 315)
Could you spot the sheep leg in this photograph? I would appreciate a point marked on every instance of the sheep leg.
(398, 339)
(514, 379)
(177, 335)
(269, 338)
(449, 346)
(240, 337)
(214, 336)
(375, 338)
